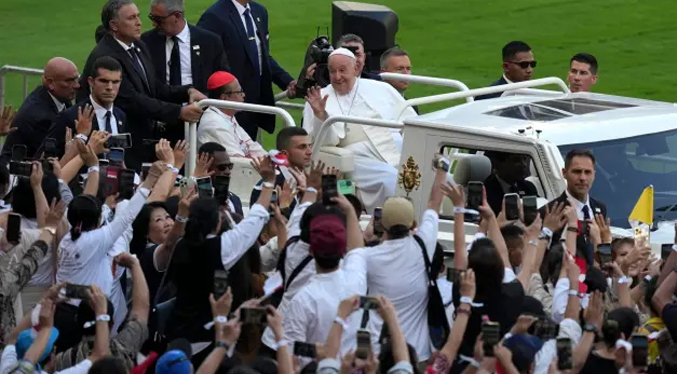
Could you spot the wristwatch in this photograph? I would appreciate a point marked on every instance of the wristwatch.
(50, 230)
(220, 344)
(590, 328)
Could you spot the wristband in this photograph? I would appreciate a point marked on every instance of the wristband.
(280, 344)
(467, 300)
(470, 360)
(648, 278)
(460, 210)
(93, 168)
(82, 137)
(311, 189)
(547, 232)
(573, 293)
(620, 343)
(624, 279)
(268, 185)
(573, 229)
(341, 322)
(35, 315)
(180, 219)
(103, 318)
(217, 319)
(533, 242)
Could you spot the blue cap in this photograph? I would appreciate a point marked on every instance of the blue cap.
(26, 339)
(173, 362)
(524, 349)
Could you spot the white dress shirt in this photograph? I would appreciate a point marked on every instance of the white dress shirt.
(218, 127)
(127, 48)
(85, 260)
(240, 10)
(237, 241)
(578, 205)
(312, 311)
(184, 55)
(100, 113)
(396, 270)
(296, 252)
(60, 106)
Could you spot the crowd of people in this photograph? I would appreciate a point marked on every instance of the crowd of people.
(123, 265)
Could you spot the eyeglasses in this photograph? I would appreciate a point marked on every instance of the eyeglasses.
(524, 64)
(234, 92)
(224, 167)
(160, 19)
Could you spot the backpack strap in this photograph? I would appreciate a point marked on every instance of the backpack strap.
(283, 255)
(297, 271)
(428, 265)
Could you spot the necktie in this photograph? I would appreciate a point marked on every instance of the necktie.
(251, 35)
(109, 125)
(175, 64)
(586, 213)
(138, 65)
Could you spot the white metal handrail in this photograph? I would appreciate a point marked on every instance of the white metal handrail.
(279, 102)
(26, 72)
(191, 128)
(433, 81)
(482, 91)
(322, 133)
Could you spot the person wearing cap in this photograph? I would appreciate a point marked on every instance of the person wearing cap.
(376, 149)
(174, 362)
(219, 125)
(397, 269)
(312, 311)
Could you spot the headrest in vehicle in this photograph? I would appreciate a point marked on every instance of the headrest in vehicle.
(474, 168)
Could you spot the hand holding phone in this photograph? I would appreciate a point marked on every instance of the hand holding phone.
(363, 344)
(530, 209)
(368, 303)
(13, 232)
(490, 337)
(640, 350)
(378, 226)
(303, 349)
(77, 291)
(511, 205)
(564, 357)
(329, 189)
(220, 283)
(254, 316)
(475, 195)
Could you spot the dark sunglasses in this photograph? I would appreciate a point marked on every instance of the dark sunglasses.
(159, 19)
(224, 167)
(234, 92)
(524, 64)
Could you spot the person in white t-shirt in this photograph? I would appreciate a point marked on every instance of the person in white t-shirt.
(220, 125)
(312, 311)
(396, 268)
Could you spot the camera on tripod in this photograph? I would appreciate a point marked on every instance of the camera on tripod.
(317, 53)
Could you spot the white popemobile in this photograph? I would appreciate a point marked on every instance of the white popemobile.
(634, 142)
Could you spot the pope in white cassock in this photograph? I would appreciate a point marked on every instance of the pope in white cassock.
(376, 149)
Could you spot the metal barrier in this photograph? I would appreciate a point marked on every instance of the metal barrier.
(26, 72)
(433, 81)
(286, 104)
(190, 129)
(482, 91)
(322, 134)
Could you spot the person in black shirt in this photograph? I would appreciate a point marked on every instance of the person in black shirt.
(621, 323)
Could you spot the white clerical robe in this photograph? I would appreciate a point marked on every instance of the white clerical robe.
(376, 150)
(218, 127)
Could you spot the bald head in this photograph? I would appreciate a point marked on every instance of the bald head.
(60, 77)
(342, 72)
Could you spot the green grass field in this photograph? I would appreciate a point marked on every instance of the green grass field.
(633, 39)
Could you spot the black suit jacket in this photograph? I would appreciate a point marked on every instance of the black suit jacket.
(583, 247)
(67, 119)
(495, 192)
(209, 58)
(223, 19)
(499, 82)
(33, 121)
(144, 103)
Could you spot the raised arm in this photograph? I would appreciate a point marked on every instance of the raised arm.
(163, 253)
(46, 317)
(140, 294)
(354, 238)
(165, 183)
(456, 194)
(494, 230)
(535, 248)
(226, 333)
(41, 205)
(101, 339)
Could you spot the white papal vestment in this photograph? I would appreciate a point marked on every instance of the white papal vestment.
(377, 150)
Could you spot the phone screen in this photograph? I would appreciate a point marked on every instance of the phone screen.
(475, 195)
(204, 187)
(544, 328)
(20, 168)
(564, 359)
(50, 147)
(116, 156)
(13, 228)
(126, 183)
(220, 283)
(221, 186)
(255, 316)
(77, 291)
(368, 303)
(530, 208)
(604, 252)
(329, 189)
(363, 344)
(454, 275)
(19, 152)
(111, 184)
(490, 337)
(512, 209)
(346, 187)
(303, 349)
(640, 350)
(120, 141)
(378, 227)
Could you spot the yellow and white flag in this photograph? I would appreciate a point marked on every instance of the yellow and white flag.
(641, 217)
